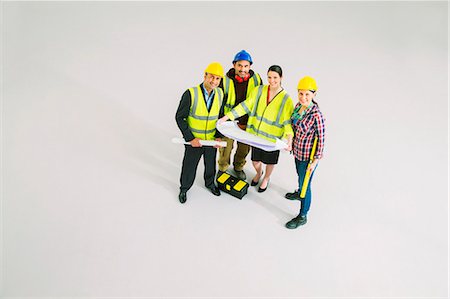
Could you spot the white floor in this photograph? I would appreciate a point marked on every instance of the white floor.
(90, 179)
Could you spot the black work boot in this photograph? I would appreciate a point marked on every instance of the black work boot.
(240, 174)
(214, 190)
(182, 196)
(296, 222)
(293, 195)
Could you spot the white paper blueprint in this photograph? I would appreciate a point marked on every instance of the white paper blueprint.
(202, 142)
(231, 130)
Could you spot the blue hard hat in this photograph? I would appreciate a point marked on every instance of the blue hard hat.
(243, 55)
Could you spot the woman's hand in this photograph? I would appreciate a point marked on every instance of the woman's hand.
(289, 147)
(313, 165)
(222, 120)
(289, 144)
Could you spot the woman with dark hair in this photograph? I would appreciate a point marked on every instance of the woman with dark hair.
(269, 108)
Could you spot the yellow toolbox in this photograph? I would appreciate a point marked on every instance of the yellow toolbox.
(232, 185)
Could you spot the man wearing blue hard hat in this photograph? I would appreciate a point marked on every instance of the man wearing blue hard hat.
(237, 84)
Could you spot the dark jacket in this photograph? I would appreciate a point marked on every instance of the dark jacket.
(241, 92)
(183, 112)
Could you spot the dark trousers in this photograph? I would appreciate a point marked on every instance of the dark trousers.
(191, 158)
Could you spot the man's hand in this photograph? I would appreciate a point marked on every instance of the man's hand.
(218, 140)
(196, 142)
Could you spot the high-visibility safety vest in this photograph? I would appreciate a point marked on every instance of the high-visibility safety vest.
(230, 93)
(267, 121)
(201, 121)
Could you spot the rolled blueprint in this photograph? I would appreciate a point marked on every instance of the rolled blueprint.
(231, 130)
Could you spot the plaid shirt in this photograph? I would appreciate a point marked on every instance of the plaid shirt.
(305, 129)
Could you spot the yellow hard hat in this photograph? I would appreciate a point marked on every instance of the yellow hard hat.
(215, 68)
(307, 83)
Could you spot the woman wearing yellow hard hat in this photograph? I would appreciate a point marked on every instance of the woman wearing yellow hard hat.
(307, 146)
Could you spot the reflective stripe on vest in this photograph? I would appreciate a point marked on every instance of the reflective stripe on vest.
(253, 82)
(262, 133)
(268, 133)
(201, 121)
(226, 85)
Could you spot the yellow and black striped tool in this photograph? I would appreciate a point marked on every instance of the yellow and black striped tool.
(308, 173)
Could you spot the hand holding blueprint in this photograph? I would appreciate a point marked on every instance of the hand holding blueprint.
(231, 130)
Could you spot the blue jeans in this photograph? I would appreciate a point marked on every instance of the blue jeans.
(305, 203)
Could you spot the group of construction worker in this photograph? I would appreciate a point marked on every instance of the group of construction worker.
(266, 111)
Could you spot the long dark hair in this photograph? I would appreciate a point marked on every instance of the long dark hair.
(277, 69)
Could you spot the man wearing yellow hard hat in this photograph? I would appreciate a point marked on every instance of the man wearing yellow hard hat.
(196, 118)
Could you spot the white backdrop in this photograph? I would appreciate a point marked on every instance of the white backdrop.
(90, 179)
